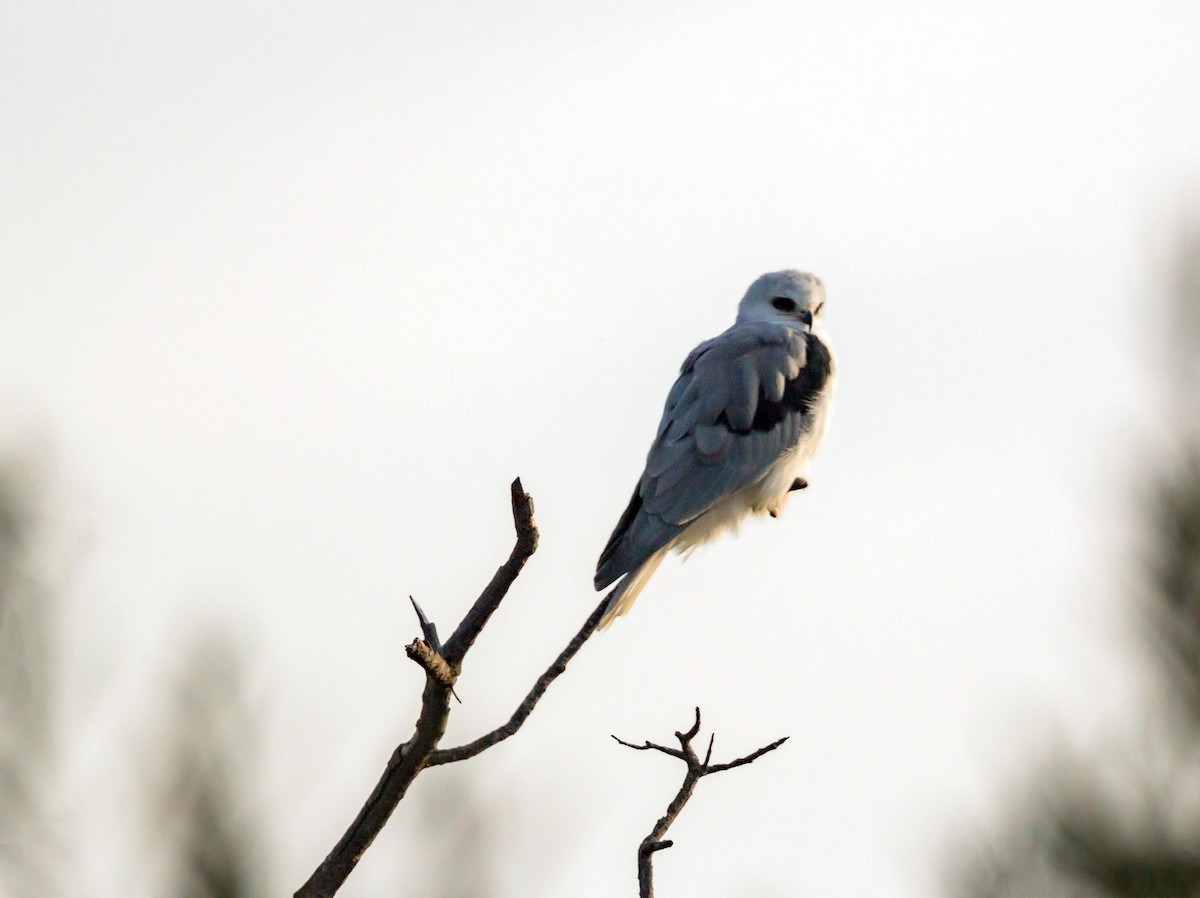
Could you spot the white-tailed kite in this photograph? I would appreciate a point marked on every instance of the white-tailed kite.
(740, 427)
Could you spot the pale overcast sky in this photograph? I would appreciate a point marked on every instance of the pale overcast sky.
(292, 291)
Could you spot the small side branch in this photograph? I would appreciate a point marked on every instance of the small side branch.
(429, 653)
(431, 662)
(471, 749)
(696, 769)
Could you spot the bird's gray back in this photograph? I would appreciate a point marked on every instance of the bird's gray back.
(742, 400)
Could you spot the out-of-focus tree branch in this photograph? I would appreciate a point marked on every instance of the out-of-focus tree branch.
(696, 769)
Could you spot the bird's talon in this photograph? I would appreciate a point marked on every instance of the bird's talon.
(798, 484)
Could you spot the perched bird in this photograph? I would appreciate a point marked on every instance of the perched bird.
(740, 427)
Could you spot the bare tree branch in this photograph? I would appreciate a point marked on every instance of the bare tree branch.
(441, 670)
(696, 769)
(489, 600)
(753, 756)
(406, 762)
(647, 746)
(442, 665)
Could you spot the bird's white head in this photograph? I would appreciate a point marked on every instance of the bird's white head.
(792, 297)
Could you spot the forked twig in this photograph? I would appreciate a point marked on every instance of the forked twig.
(696, 769)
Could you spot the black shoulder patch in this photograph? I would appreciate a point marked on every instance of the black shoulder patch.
(799, 394)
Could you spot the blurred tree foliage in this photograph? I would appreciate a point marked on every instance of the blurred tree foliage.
(26, 749)
(456, 842)
(206, 822)
(196, 791)
(1129, 827)
(198, 749)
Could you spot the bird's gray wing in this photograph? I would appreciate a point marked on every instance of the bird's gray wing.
(742, 400)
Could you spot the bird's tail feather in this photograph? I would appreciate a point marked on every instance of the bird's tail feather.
(627, 591)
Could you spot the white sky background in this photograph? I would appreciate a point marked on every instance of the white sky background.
(295, 291)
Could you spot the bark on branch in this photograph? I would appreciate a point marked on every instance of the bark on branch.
(442, 665)
(696, 769)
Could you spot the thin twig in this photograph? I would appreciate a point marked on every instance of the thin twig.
(696, 769)
(470, 749)
(648, 746)
(687, 737)
(428, 627)
(753, 756)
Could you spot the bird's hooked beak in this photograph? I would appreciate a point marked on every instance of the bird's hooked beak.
(806, 318)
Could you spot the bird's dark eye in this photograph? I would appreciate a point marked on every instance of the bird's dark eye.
(817, 310)
(784, 304)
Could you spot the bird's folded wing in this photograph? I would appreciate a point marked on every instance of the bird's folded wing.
(740, 402)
